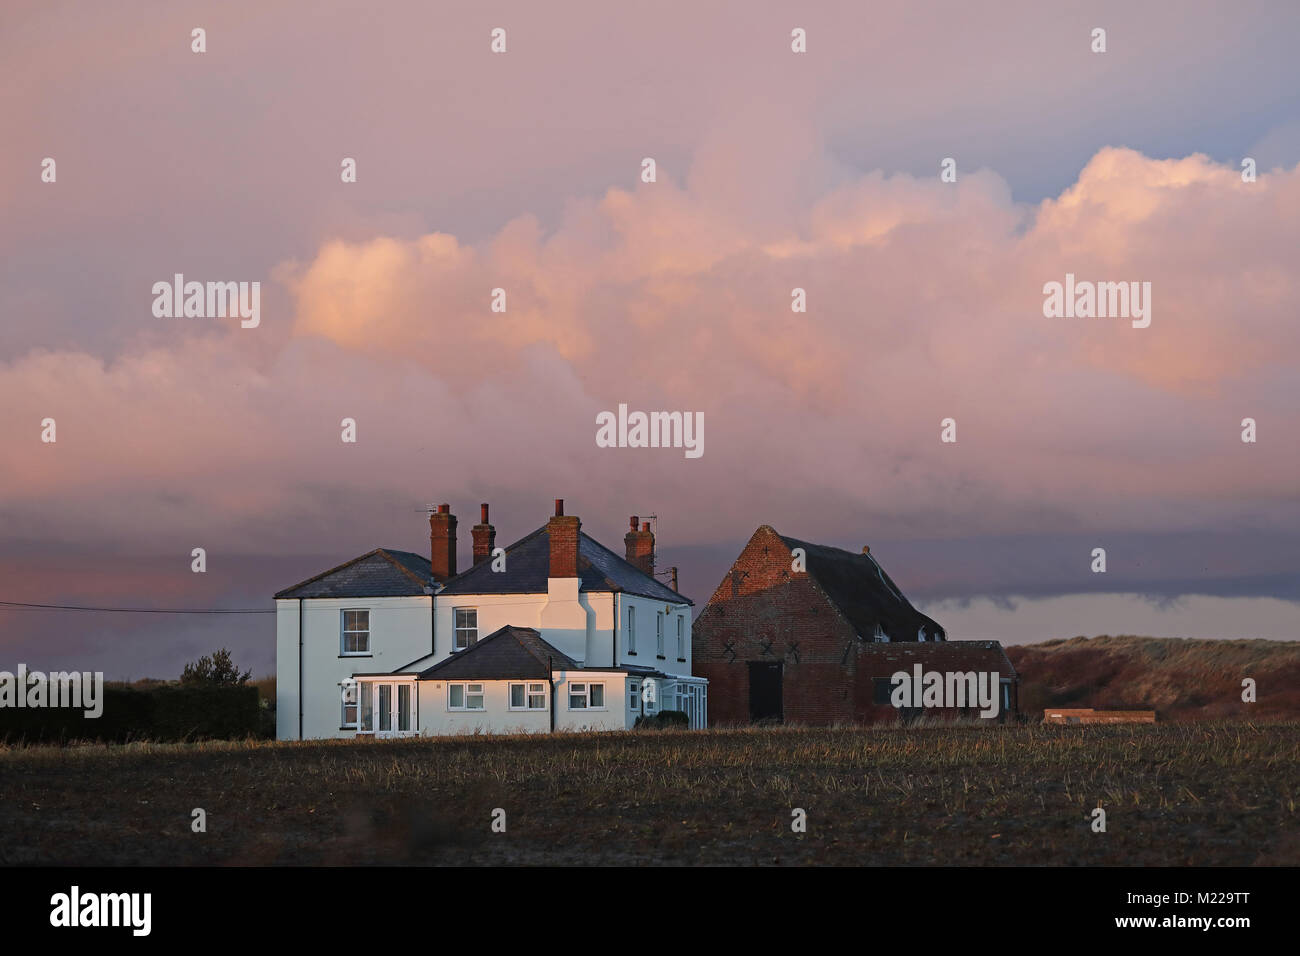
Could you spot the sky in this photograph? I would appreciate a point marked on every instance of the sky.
(775, 170)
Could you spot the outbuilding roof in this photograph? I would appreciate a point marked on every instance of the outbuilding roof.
(509, 653)
(884, 659)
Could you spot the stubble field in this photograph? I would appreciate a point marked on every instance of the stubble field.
(1222, 793)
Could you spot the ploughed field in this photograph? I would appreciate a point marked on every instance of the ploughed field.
(1222, 793)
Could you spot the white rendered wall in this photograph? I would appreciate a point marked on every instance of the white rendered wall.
(399, 633)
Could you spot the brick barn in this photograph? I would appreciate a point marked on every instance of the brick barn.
(812, 642)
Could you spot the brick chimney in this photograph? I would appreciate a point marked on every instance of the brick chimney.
(640, 546)
(442, 543)
(485, 537)
(563, 531)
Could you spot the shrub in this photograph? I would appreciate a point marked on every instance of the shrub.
(663, 720)
(218, 670)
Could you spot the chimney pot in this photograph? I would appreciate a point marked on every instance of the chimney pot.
(485, 537)
(866, 549)
(442, 543)
(563, 533)
(640, 547)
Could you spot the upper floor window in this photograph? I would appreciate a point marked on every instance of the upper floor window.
(659, 633)
(681, 637)
(356, 632)
(631, 630)
(466, 627)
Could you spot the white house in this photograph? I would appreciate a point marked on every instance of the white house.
(555, 633)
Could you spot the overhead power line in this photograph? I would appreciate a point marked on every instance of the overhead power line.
(142, 610)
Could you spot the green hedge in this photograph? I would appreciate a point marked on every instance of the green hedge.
(664, 720)
(167, 712)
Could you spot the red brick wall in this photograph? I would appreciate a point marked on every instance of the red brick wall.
(639, 545)
(770, 612)
(563, 533)
(442, 543)
(485, 537)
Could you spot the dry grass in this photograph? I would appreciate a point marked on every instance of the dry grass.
(1214, 794)
(1179, 678)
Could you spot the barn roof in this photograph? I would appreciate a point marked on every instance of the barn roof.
(859, 587)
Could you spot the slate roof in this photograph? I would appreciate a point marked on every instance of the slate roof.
(864, 593)
(528, 563)
(883, 659)
(510, 653)
(384, 572)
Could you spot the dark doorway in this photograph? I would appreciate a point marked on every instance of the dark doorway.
(765, 691)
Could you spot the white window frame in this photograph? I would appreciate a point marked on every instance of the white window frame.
(349, 689)
(631, 629)
(681, 637)
(457, 630)
(659, 635)
(634, 696)
(369, 695)
(529, 694)
(344, 632)
(465, 695)
(571, 692)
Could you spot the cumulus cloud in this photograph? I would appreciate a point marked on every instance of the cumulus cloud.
(924, 302)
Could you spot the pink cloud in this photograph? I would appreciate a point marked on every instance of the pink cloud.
(924, 302)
